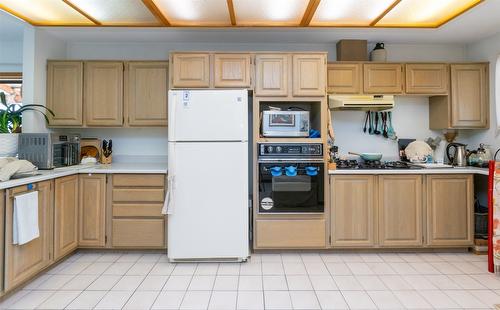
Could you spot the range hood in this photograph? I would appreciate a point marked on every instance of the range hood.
(361, 102)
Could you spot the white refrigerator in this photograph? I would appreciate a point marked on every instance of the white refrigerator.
(207, 197)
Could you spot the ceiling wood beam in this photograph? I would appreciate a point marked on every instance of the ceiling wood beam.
(384, 13)
(232, 14)
(156, 12)
(74, 7)
(309, 13)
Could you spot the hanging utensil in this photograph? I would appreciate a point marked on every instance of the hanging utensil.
(384, 125)
(367, 116)
(376, 130)
(390, 130)
(371, 119)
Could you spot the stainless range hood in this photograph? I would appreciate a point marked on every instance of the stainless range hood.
(361, 102)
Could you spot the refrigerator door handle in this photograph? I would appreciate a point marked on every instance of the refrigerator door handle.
(168, 205)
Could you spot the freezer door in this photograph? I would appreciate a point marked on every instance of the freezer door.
(208, 218)
(207, 115)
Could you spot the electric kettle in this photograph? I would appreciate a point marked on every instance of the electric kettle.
(459, 157)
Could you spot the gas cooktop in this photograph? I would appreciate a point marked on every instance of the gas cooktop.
(375, 164)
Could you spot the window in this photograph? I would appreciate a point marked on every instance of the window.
(11, 84)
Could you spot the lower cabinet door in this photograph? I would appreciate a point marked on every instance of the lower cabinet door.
(139, 233)
(293, 233)
(450, 210)
(65, 215)
(353, 222)
(92, 210)
(22, 262)
(400, 210)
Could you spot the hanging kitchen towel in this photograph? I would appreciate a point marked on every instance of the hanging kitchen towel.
(496, 217)
(25, 219)
(168, 205)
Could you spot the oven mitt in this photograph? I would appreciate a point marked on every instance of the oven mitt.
(311, 171)
(276, 171)
(291, 171)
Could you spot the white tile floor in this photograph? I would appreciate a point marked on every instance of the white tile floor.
(268, 281)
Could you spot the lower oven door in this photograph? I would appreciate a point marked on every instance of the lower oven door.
(301, 191)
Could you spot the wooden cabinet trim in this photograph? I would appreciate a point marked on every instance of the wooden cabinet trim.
(92, 210)
(65, 215)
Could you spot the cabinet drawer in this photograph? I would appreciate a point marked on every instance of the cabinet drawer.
(138, 233)
(139, 180)
(138, 195)
(290, 233)
(137, 209)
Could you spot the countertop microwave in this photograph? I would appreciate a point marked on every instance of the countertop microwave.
(285, 123)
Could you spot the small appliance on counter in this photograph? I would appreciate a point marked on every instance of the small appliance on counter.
(276, 123)
(459, 156)
(50, 150)
(480, 157)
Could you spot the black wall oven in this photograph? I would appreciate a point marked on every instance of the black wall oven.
(291, 178)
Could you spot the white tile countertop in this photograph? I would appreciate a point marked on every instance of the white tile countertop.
(42, 175)
(454, 170)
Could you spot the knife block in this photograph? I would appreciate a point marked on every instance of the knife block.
(106, 160)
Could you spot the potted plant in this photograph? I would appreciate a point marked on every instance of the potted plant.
(11, 122)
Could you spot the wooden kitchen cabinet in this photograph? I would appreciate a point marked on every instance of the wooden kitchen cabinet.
(353, 209)
(271, 75)
(22, 262)
(309, 75)
(146, 93)
(136, 204)
(2, 240)
(427, 79)
(467, 106)
(383, 78)
(103, 93)
(293, 233)
(400, 210)
(450, 210)
(190, 70)
(232, 70)
(65, 92)
(65, 216)
(344, 78)
(92, 210)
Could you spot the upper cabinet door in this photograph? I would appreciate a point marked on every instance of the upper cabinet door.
(64, 92)
(146, 93)
(427, 79)
(191, 70)
(232, 70)
(271, 75)
(344, 78)
(309, 74)
(103, 93)
(381, 78)
(469, 96)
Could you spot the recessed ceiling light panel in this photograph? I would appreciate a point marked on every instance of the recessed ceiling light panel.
(45, 12)
(117, 12)
(269, 12)
(195, 12)
(425, 13)
(349, 12)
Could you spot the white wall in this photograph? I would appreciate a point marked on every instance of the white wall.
(486, 50)
(38, 47)
(11, 55)
(410, 115)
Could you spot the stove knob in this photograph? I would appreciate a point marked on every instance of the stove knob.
(278, 149)
(269, 149)
(304, 150)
